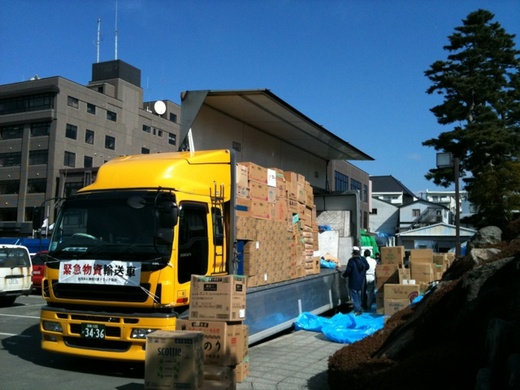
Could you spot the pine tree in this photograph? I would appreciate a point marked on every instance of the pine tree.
(480, 83)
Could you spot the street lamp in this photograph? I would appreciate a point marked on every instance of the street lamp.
(447, 160)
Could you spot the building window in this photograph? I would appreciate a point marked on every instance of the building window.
(71, 188)
(9, 187)
(416, 213)
(38, 157)
(87, 162)
(172, 139)
(111, 116)
(89, 137)
(13, 159)
(147, 129)
(71, 131)
(110, 142)
(374, 212)
(173, 117)
(8, 214)
(91, 108)
(72, 102)
(70, 159)
(159, 133)
(35, 186)
(340, 181)
(355, 185)
(11, 132)
(145, 151)
(40, 129)
(365, 193)
(26, 103)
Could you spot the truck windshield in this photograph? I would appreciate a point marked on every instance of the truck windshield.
(125, 225)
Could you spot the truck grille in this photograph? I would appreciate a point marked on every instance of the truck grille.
(101, 292)
(103, 345)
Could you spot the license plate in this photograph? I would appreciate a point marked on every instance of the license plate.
(93, 331)
(14, 281)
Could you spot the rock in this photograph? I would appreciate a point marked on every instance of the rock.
(485, 237)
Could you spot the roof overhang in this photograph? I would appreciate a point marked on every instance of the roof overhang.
(264, 111)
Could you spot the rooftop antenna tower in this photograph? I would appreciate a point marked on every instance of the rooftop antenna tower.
(98, 40)
(115, 36)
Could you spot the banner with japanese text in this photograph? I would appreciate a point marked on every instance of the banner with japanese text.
(113, 272)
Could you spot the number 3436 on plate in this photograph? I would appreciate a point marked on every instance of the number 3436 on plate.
(93, 331)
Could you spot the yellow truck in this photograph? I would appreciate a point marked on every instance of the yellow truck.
(123, 250)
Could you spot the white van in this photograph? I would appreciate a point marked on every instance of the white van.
(15, 273)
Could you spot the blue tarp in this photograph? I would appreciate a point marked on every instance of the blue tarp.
(341, 328)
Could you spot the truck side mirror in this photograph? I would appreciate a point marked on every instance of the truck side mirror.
(168, 214)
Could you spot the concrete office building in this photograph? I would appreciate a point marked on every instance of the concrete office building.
(55, 133)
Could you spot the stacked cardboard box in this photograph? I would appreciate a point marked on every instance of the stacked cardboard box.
(398, 296)
(276, 219)
(390, 272)
(174, 360)
(425, 266)
(217, 310)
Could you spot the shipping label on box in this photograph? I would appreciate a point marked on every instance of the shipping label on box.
(242, 175)
(174, 360)
(392, 255)
(220, 298)
(224, 343)
(271, 177)
(401, 291)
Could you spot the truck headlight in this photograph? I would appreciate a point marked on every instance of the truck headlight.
(140, 333)
(52, 326)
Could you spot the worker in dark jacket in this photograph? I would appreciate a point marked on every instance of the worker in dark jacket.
(355, 273)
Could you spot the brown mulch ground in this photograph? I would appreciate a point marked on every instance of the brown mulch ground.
(439, 342)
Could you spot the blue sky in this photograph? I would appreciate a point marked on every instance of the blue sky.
(354, 67)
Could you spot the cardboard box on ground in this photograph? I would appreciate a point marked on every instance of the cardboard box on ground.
(425, 267)
(220, 356)
(174, 360)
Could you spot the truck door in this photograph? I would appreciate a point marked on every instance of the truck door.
(193, 240)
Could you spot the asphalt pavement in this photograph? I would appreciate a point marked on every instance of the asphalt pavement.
(291, 361)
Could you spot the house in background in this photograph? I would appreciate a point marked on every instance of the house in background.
(420, 213)
(384, 220)
(440, 237)
(447, 198)
(425, 221)
(389, 189)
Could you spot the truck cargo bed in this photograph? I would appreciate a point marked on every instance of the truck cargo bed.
(273, 308)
